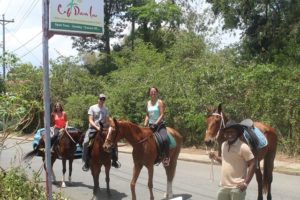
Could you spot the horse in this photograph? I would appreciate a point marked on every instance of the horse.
(216, 121)
(144, 151)
(64, 149)
(99, 158)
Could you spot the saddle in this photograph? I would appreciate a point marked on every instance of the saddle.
(160, 145)
(253, 136)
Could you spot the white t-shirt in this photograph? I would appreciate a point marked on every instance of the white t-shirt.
(234, 163)
(99, 114)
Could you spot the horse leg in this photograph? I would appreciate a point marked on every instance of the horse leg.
(53, 174)
(136, 172)
(268, 173)
(259, 182)
(150, 181)
(95, 170)
(63, 184)
(70, 170)
(170, 171)
(107, 179)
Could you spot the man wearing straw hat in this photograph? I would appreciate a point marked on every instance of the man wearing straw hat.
(238, 164)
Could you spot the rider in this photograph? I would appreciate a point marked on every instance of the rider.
(98, 116)
(59, 121)
(154, 119)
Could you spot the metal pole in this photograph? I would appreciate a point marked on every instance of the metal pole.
(4, 22)
(47, 98)
(3, 52)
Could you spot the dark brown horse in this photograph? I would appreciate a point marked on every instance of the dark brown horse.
(216, 121)
(64, 149)
(99, 158)
(144, 151)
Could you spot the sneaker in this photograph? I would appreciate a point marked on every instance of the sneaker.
(166, 161)
(116, 164)
(85, 167)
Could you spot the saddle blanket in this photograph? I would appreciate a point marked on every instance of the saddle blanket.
(262, 141)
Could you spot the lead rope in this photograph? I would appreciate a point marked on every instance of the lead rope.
(212, 150)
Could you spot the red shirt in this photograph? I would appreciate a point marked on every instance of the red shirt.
(59, 121)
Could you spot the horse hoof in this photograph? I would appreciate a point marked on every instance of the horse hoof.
(63, 185)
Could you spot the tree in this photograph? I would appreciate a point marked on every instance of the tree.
(269, 26)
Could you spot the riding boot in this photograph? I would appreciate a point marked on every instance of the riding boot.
(166, 160)
(85, 156)
(114, 157)
(53, 142)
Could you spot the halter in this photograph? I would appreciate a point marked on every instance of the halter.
(222, 124)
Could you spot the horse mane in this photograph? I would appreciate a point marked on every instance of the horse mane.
(136, 128)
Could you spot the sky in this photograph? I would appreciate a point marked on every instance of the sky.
(23, 37)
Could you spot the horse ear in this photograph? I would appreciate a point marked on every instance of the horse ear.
(115, 121)
(209, 110)
(220, 108)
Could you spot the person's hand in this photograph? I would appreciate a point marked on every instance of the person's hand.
(242, 186)
(153, 127)
(98, 128)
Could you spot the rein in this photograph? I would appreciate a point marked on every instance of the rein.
(70, 136)
(144, 139)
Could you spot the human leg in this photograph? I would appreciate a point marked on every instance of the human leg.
(237, 194)
(114, 158)
(85, 156)
(224, 194)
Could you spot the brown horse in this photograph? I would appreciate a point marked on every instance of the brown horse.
(216, 121)
(98, 158)
(144, 151)
(64, 149)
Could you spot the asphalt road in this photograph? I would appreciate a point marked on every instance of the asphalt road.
(192, 180)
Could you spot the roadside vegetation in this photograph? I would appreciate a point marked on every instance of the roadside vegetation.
(169, 48)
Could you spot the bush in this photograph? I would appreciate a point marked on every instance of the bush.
(15, 185)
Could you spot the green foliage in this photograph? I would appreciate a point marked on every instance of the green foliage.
(76, 107)
(269, 27)
(15, 185)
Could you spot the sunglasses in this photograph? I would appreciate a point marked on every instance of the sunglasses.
(102, 99)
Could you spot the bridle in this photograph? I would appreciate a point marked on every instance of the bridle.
(222, 124)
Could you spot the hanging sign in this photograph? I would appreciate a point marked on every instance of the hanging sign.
(76, 16)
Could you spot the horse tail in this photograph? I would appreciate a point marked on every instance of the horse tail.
(31, 154)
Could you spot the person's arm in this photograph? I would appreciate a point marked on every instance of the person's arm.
(52, 123)
(250, 172)
(213, 156)
(66, 120)
(92, 123)
(161, 111)
(146, 121)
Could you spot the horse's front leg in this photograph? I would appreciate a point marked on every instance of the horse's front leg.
(107, 179)
(70, 170)
(63, 184)
(150, 180)
(95, 170)
(136, 172)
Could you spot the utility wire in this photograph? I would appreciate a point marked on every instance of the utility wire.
(27, 41)
(8, 6)
(20, 7)
(28, 12)
(28, 51)
(31, 51)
